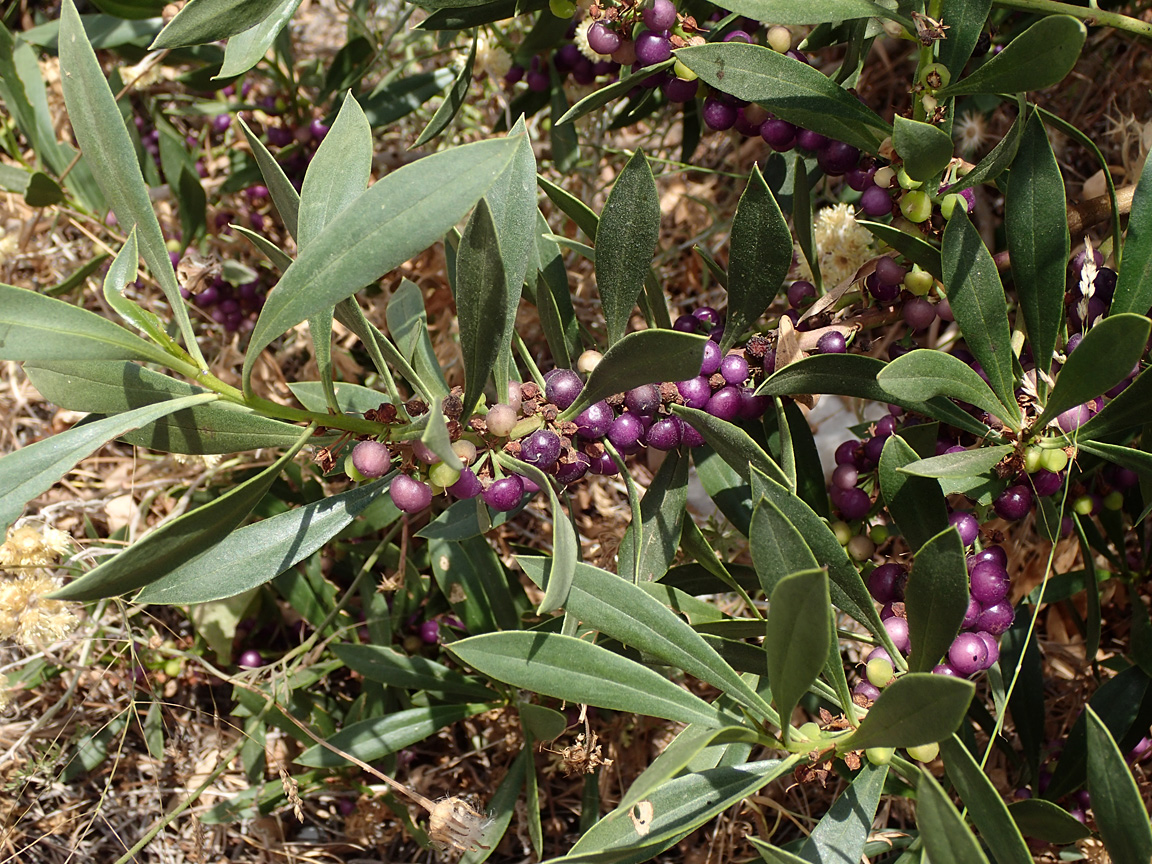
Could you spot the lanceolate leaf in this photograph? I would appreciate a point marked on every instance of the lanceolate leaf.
(258, 553)
(204, 21)
(565, 667)
(246, 49)
(999, 157)
(761, 253)
(966, 20)
(978, 302)
(1126, 411)
(1110, 351)
(644, 357)
(916, 504)
(842, 832)
(284, 194)
(945, 834)
(120, 275)
(397, 669)
(170, 545)
(1120, 812)
(778, 548)
(31, 470)
(923, 374)
(626, 238)
(734, 445)
(792, 90)
(803, 12)
(1039, 57)
(936, 598)
(1036, 223)
(985, 804)
(926, 149)
(917, 708)
(916, 249)
(103, 138)
(798, 636)
(969, 463)
(481, 298)
(1134, 282)
(627, 613)
(453, 100)
(396, 218)
(662, 516)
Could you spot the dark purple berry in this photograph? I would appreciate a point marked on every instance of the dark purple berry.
(602, 40)
(570, 472)
(1013, 503)
(713, 360)
(945, 669)
(430, 632)
(997, 618)
(837, 158)
(505, 494)
(605, 464)
(593, 421)
(679, 90)
(724, 403)
(410, 495)
(371, 458)
(690, 437)
(889, 272)
(467, 486)
(971, 614)
(659, 15)
(968, 654)
(250, 659)
(886, 583)
(751, 405)
(854, 504)
(643, 400)
(686, 324)
(801, 293)
(846, 452)
(811, 141)
(541, 448)
(989, 583)
(1047, 482)
(860, 179)
(882, 291)
(717, 114)
(737, 36)
(653, 48)
(665, 434)
(919, 313)
(563, 388)
(993, 648)
(876, 201)
(780, 135)
(626, 433)
(966, 524)
(734, 369)
(695, 391)
(989, 553)
(832, 342)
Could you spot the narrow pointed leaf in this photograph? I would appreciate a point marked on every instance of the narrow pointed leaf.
(778, 548)
(481, 303)
(966, 20)
(969, 463)
(565, 667)
(1134, 282)
(121, 273)
(338, 173)
(247, 48)
(977, 299)
(917, 708)
(923, 374)
(1039, 57)
(31, 470)
(799, 634)
(453, 100)
(626, 239)
(1047, 821)
(662, 515)
(1000, 157)
(985, 805)
(103, 138)
(395, 219)
(397, 669)
(734, 445)
(258, 553)
(916, 504)
(926, 149)
(1036, 223)
(936, 598)
(1126, 411)
(841, 834)
(945, 834)
(913, 247)
(759, 258)
(173, 543)
(204, 21)
(284, 195)
(1120, 812)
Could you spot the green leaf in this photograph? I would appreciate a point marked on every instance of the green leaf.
(978, 303)
(395, 219)
(926, 149)
(121, 273)
(395, 99)
(1114, 347)
(103, 138)
(999, 157)
(284, 195)
(970, 463)
(1036, 222)
(855, 375)
(374, 739)
(917, 708)
(966, 20)
(936, 598)
(258, 553)
(662, 516)
(42, 191)
(945, 834)
(923, 374)
(1039, 57)
(759, 258)
(915, 249)
(1047, 821)
(247, 48)
(733, 444)
(481, 303)
(396, 669)
(601, 96)
(628, 614)
(672, 811)
(31, 470)
(542, 723)
(626, 238)
(453, 100)
(169, 546)
(778, 548)
(563, 137)
(805, 12)
(731, 494)
(1126, 457)
(989, 813)
(112, 387)
(204, 21)
(408, 327)
(471, 576)
(1126, 411)
(798, 636)
(916, 504)
(436, 436)
(643, 357)
(841, 833)
(1134, 282)
(568, 668)
(1121, 815)
(571, 206)
(338, 173)
(793, 91)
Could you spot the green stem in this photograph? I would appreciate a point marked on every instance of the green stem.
(1089, 16)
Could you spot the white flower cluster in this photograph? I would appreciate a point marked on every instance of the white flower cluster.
(26, 615)
(491, 58)
(842, 245)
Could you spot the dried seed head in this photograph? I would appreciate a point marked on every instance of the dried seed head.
(455, 824)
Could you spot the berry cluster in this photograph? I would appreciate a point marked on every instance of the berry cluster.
(233, 306)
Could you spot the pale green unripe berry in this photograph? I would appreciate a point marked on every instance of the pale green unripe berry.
(442, 474)
(916, 206)
(1083, 505)
(861, 548)
(809, 731)
(501, 419)
(351, 471)
(465, 451)
(1054, 460)
(907, 182)
(588, 361)
(918, 281)
(879, 533)
(880, 755)
(562, 8)
(779, 38)
(843, 532)
(924, 752)
(879, 672)
(1033, 459)
(1114, 500)
(950, 202)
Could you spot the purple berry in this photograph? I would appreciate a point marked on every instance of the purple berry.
(653, 48)
(505, 494)
(876, 201)
(886, 583)
(837, 158)
(845, 477)
(713, 359)
(679, 90)
(898, 631)
(686, 324)
(1013, 503)
(866, 689)
(467, 486)
(665, 434)
(882, 291)
(854, 504)
(889, 272)
(659, 15)
(989, 553)
(372, 459)
(945, 669)
(541, 448)
(563, 388)
(593, 421)
(832, 342)
(718, 115)
(1047, 482)
(250, 659)
(966, 524)
(989, 583)
(993, 648)
(780, 135)
(690, 437)
(570, 472)
(968, 654)
(801, 293)
(919, 313)
(860, 179)
(879, 654)
(410, 495)
(626, 433)
(734, 368)
(724, 403)
(811, 141)
(1074, 418)
(751, 405)
(846, 452)
(643, 400)
(997, 618)
(695, 391)
(430, 632)
(602, 40)
(737, 36)
(971, 614)
(604, 464)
